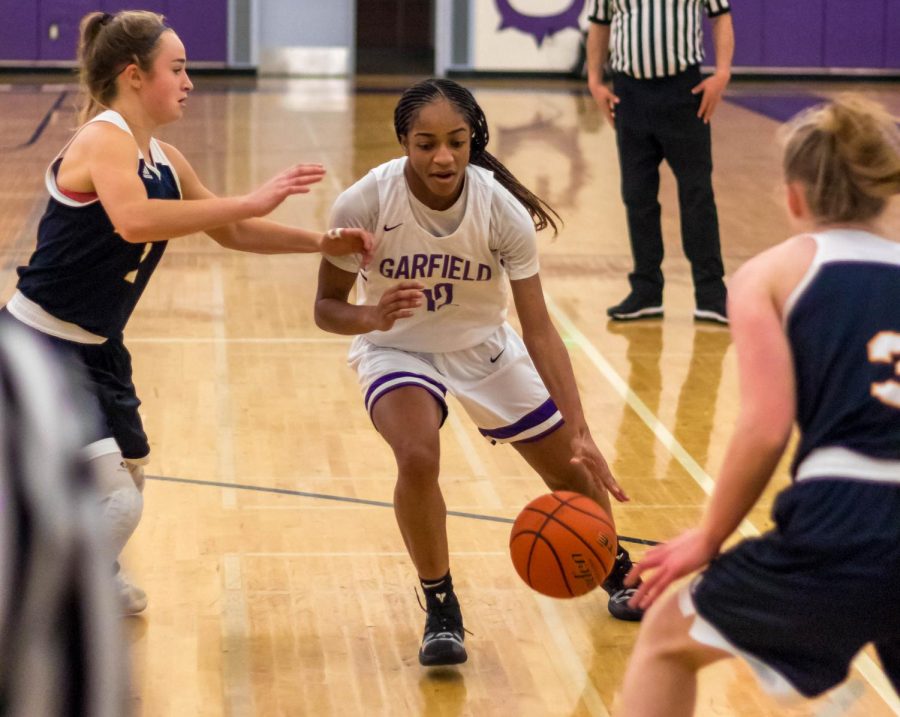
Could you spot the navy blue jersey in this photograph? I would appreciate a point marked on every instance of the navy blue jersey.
(843, 324)
(82, 271)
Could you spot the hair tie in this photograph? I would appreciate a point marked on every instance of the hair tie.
(106, 18)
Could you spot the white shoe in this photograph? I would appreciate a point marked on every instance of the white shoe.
(132, 599)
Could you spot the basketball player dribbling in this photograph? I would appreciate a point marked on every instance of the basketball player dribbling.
(816, 324)
(454, 230)
(115, 199)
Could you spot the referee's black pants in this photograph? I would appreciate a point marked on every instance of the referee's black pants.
(657, 119)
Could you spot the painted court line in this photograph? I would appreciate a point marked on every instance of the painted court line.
(225, 432)
(864, 664)
(231, 340)
(349, 499)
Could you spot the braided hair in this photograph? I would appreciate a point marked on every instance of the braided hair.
(427, 91)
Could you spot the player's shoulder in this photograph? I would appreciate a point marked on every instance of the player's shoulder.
(775, 271)
(100, 134)
(508, 211)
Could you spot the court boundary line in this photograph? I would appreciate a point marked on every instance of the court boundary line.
(864, 664)
(350, 499)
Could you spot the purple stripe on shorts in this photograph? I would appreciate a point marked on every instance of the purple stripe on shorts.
(437, 396)
(400, 374)
(542, 434)
(530, 420)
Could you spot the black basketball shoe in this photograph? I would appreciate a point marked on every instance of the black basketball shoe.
(636, 306)
(619, 595)
(442, 643)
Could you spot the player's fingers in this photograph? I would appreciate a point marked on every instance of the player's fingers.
(307, 169)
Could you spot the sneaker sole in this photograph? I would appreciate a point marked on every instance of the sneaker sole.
(443, 660)
(713, 317)
(650, 312)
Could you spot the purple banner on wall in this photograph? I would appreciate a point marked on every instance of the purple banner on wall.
(539, 26)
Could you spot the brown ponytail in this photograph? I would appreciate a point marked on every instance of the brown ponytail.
(847, 154)
(107, 45)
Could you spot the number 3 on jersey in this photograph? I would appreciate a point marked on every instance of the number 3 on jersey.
(132, 275)
(885, 348)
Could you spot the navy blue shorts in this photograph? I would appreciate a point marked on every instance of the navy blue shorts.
(805, 598)
(110, 400)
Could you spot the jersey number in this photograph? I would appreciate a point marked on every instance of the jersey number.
(885, 348)
(438, 297)
(132, 275)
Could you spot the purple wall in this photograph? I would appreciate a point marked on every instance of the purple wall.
(203, 27)
(48, 29)
(18, 31)
(792, 33)
(891, 33)
(854, 33)
(814, 33)
(58, 27)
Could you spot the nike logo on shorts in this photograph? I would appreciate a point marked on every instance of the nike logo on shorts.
(390, 229)
(494, 358)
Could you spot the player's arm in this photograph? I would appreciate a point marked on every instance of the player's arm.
(262, 236)
(761, 432)
(109, 155)
(768, 403)
(551, 359)
(335, 314)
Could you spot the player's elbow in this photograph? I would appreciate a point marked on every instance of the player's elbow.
(134, 233)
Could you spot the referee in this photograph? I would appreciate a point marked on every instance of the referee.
(660, 107)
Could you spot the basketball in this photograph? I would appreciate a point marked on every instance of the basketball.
(563, 544)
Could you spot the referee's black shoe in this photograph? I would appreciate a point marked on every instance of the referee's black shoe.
(636, 306)
(619, 595)
(442, 643)
(715, 312)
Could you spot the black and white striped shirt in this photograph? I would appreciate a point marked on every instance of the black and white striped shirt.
(654, 38)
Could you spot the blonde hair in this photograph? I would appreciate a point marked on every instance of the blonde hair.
(847, 154)
(107, 45)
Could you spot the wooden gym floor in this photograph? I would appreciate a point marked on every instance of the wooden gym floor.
(277, 578)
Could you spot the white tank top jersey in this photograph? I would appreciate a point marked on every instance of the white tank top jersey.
(488, 238)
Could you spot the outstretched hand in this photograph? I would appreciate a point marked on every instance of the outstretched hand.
(586, 454)
(348, 240)
(398, 302)
(294, 180)
(688, 552)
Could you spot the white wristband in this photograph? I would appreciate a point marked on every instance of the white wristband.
(334, 233)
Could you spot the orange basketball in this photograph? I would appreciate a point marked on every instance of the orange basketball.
(563, 544)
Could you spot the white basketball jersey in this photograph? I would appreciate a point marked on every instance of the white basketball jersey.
(466, 287)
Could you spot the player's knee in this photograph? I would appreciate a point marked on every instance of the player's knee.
(417, 464)
(121, 502)
(122, 509)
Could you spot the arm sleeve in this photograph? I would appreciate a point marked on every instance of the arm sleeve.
(356, 206)
(512, 235)
(601, 12)
(714, 8)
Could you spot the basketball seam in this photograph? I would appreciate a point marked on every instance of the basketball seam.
(552, 517)
(559, 562)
